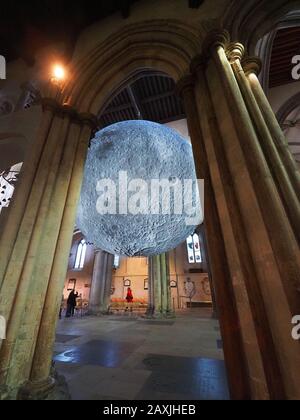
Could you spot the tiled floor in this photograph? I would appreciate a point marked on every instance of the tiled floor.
(113, 358)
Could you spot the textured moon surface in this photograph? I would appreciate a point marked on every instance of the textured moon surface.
(123, 157)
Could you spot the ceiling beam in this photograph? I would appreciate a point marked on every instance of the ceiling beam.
(138, 109)
(139, 103)
(157, 97)
(118, 108)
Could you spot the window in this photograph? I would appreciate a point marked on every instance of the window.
(116, 263)
(71, 285)
(193, 248)
(80, 255)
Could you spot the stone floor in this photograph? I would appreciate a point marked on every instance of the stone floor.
(126, 358)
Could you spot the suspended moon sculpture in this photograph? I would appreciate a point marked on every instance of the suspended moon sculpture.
(139, 195)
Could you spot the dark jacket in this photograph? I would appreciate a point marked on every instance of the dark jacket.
(72, 299)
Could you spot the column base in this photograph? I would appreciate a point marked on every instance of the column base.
(150, 314)
(98, 310)
(54, 388)
(98, 313)
(5, 394)
(214, 315)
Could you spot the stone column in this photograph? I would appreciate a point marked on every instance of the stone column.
(252, 67)
(23, 188)
(204, 251)
(255, 226)
(38, 240)
(97, 282)
(150, 308)
(108, 284)
(41, 365)
(101, 283)
(289, 197)
(229, 316)
(282, 239)
(160, 304)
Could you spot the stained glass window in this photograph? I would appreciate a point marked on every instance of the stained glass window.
(194, 249)
(80, 255)
(116, 261)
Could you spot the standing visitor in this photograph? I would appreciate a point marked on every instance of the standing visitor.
(71, 304)
(129, 296)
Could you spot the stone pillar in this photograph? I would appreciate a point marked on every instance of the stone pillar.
(101, 283)
(204, 251)
(281, 237)
(159, 304)
(108, 284)
(38, 239)
(150, 308)
(285, 187)
(255, 227)
(97, 282)
(221, 275)
(23, 188)
(252, 67)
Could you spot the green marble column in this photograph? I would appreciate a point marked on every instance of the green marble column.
(160, 305)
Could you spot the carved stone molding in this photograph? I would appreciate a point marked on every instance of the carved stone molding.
(235, 51)
(215, 39)
(252, 65)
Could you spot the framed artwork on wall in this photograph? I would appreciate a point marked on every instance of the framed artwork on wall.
(206, 286)
(146, 284)
(71, 284)
(127, 283)
(173, 283)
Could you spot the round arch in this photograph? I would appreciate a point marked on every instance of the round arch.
(135, 48)
(287, 108)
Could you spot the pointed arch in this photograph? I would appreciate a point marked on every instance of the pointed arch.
(166, 46)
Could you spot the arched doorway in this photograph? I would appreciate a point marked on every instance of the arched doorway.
(252, 244)
(149, 96)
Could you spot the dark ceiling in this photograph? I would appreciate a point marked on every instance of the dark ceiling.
(27, 25)
(150, 97)
(286, 46)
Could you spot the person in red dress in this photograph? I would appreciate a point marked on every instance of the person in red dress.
(129, 296)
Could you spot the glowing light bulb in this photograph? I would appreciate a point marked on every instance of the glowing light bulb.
(59, 72)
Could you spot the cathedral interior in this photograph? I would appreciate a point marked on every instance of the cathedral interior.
(215, 313)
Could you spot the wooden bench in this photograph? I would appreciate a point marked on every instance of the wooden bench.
(124, 307)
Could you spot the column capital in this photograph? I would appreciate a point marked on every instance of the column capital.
(50, 104)
(98, 250)
(252, 65)
(235, 51)
(215, 38)
(67, 109)
(89, 119)
(185, 83)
